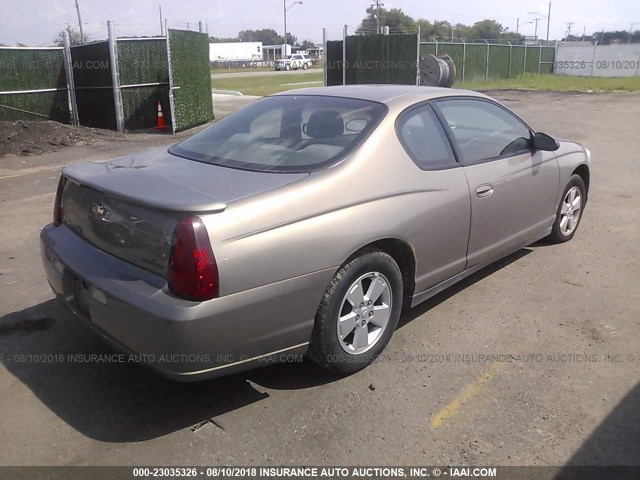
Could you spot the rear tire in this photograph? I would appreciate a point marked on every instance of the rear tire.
(358, 313)
(569, 212)
(305, 66)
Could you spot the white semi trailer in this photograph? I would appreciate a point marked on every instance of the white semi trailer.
(235, 52)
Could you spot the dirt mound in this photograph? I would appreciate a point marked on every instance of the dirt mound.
(26, 137)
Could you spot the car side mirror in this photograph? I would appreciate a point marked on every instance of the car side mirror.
(542, 141)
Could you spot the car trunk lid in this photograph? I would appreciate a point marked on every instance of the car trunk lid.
(129, 206)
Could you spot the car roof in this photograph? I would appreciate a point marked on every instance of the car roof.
(396, 95)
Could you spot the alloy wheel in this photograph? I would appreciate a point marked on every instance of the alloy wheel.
(570, 211)
(364, 313)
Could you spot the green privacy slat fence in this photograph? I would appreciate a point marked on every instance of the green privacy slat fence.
(144, 62)
(92, 76)
(35, 106)
(33, 69)
(143, 79)
(373, 59)
(503, 61)
(381, 59)
(191, 77)
(333, 60)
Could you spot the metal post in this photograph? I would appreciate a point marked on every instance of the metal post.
(284, 6)
(436, 40)
(71, 88)
(524, 63)
(200, 27)
(115, 77)
(324, 55)
(161, 29)
(171, 87)
(344, 54)
(418, 59)
(510, 53)
(486, 67)
(593, 59)
(539, 59)
(464, 59)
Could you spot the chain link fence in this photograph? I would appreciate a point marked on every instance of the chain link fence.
(481, 62)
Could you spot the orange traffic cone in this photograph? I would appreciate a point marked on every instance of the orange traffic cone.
(160, 121)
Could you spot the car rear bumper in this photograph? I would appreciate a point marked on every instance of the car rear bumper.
(134, 310)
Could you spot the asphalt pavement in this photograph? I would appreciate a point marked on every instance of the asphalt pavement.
(534, 360)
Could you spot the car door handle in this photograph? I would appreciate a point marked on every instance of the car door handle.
(484, 190)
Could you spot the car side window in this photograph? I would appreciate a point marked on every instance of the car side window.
(483, 130)
(424, 139)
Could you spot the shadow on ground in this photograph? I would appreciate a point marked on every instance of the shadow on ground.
(612, 446)
(122, 402)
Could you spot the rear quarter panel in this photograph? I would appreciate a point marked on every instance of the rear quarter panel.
(317, 223)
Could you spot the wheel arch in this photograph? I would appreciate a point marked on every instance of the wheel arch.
(583, 172)
(403, 254)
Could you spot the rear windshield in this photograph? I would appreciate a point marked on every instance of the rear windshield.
(285, 133)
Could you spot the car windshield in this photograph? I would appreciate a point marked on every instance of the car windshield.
(285, 133)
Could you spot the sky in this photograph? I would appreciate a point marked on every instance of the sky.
(37, 22)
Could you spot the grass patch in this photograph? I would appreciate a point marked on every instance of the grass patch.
(240, 69)
(268, 84)
(558, 83)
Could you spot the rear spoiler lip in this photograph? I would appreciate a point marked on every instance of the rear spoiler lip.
(166, 205)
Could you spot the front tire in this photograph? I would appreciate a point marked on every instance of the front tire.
(287, 67)
(358, 313)
(569, 211)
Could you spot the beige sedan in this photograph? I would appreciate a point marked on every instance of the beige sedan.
(304, 223)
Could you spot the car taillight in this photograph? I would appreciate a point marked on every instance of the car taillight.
(57, 206)
(193, 273)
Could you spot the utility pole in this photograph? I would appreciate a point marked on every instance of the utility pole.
(569, 25)
(548, 22)
(285, 9)
(518, 25)
(80, 22)
(630, 33)
(535, 33)
(161, 29)
(378, 4)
